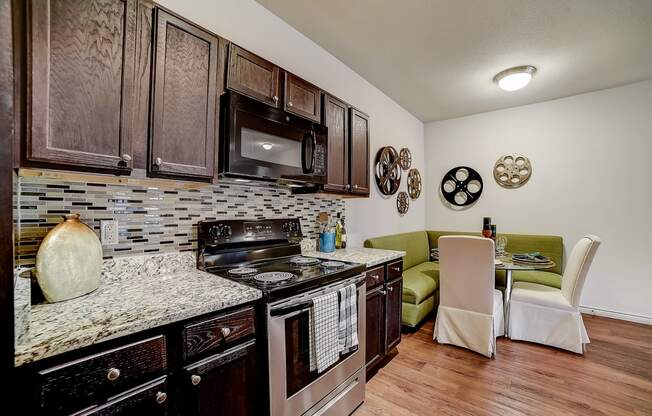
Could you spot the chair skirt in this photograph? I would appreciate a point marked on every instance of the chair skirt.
(549, 326)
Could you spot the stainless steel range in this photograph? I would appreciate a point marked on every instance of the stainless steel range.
(266, 254)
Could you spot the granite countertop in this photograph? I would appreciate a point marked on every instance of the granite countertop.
(136, 293)
(369, 256)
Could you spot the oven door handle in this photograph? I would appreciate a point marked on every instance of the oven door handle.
(291, 311)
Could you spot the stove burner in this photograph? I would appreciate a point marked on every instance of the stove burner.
(243, 271)
(304, 261)
(273, 277)
(332, 264)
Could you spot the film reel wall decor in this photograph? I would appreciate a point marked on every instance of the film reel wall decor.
(405, 158)
(414, 183)
(512, 170)
(387, 170)
(402, 202)
(461, 186)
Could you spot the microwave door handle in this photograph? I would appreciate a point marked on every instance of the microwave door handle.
(308, 163)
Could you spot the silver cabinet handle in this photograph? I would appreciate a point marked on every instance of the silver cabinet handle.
(113, 374)
(126, 158)
(396, 268)
(158, 161)
(195, 379)
(383, 292)
(391, 289)
(290, 104)
(348, 186)
(226, 332)
(355, 186)
(275, 98)
(161, 397)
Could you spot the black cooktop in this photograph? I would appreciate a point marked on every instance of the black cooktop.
(282, 277)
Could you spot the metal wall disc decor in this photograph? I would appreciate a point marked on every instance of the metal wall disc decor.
(414, 183)
(405, 158)
(402, 202)
(388, 170)
(512, 170)
(461, 186)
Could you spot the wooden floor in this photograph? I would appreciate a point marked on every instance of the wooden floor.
(613, 378)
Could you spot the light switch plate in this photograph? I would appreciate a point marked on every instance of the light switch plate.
(109, 232)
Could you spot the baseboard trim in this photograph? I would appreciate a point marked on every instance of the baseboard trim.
(616, 315)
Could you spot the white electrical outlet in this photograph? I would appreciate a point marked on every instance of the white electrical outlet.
(109, 232)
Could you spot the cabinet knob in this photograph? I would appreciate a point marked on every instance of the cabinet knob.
(391, 289)
(383, 292)
(126, 158)
(195, 379)
(161, 397)
(113, 374)
(275, 98)
(290, 104)
(355, 186)
(348, 186)
(158, 161)
(396, 269)
(226, 332)
(376, 277)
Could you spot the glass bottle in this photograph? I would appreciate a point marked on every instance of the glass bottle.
(338, 232)
(486, 227)
(343, 234)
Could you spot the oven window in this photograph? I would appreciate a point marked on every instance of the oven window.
(297, 349)
(269, 148)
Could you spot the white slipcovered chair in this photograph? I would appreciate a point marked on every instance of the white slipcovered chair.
(551, 316)
(470, 313)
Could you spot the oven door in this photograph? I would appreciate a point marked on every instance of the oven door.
(266, 143)
(294, 389)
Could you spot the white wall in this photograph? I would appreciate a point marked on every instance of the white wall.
(253, 27)
(592, 172)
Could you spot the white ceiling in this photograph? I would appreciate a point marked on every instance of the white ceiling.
(437, 58)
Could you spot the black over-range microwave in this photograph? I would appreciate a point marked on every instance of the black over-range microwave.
(264, 143)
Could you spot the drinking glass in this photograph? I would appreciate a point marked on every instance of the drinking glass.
(501, 243)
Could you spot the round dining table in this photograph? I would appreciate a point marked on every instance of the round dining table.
(508, 265)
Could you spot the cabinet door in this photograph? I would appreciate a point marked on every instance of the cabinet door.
(81, 69)
(184, 133)
(375, 332)
(393, 307)
(336, 118)
(359, 152)
(302, 98)
(253, 76)
(223, 384)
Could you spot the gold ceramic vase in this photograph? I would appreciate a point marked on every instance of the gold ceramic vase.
(69, 260)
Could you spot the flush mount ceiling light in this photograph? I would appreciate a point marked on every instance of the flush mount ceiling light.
(513, 79)
(267, 146)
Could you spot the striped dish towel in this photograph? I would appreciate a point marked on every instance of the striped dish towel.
(348, 319)
(323, 327)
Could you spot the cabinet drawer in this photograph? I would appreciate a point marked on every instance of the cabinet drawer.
(217, 332)
(149, 399)
(375, 277)
(394, 269)
(83, 382)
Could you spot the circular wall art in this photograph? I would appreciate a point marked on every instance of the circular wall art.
(402, 202)
(461, 186)
(512, 170)
(405, 158)
(414, 183)
(388, 170)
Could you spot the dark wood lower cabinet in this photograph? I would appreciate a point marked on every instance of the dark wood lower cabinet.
(384, 303)
(157, 372)
(223, 384)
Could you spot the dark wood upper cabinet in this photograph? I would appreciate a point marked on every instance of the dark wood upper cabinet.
(302, 98)
(336, 118)
(359, 155)
(184, 108)
(80, 79)
(253, 76)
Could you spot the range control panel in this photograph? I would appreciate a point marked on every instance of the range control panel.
(246, 231)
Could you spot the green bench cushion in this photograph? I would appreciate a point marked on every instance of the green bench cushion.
(412, 315)
(540, 277)
(420, 282)
(415, 245)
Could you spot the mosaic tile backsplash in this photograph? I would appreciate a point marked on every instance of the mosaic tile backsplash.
(153, 216)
